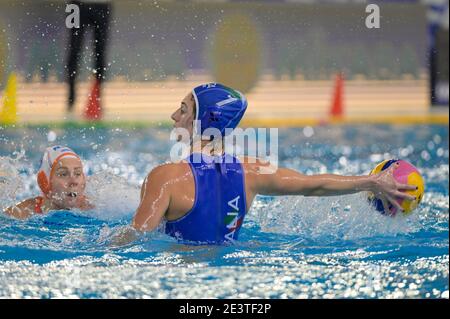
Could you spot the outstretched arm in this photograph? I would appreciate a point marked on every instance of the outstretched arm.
(289, 182)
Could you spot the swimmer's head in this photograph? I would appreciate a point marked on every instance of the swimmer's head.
(211, 105)
(61, 177)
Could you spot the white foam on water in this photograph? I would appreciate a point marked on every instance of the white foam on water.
(114, 198)
(10, 181)
(329, 218)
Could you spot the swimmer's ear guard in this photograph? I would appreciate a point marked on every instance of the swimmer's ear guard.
(218, 106)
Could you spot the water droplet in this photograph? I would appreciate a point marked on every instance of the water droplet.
(51, 136)
(308, 131)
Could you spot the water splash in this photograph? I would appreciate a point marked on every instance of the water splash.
(328, 219)
(114, 198)
(10, 181)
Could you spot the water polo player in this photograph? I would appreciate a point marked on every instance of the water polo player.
(204, 199)
(62, 182)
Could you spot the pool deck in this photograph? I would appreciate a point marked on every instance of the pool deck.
(273, 103)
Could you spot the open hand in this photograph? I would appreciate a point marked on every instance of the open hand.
(388, 190)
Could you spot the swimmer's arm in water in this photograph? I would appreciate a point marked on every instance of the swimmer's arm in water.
(22, 210)
(289, 182)
(155, 198)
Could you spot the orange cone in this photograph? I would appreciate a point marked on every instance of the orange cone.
(337, 108)
(93, 111)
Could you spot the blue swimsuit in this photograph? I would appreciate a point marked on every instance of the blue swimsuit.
(220, 202)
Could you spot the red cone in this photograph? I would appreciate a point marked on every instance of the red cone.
(337, 108)
(93, 111)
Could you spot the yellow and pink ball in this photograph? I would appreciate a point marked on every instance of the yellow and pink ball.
(405, 173)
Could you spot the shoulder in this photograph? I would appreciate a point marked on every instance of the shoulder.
(258, 173)
(257, 166)
(164, 180)
(167, 172)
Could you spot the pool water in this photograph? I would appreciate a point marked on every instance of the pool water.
(289, 247)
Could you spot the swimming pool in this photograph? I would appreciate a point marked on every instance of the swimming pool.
(289, 247)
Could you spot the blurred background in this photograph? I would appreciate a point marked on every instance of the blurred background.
(298, 61)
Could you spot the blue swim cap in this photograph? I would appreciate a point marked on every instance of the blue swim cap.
(218, 107)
